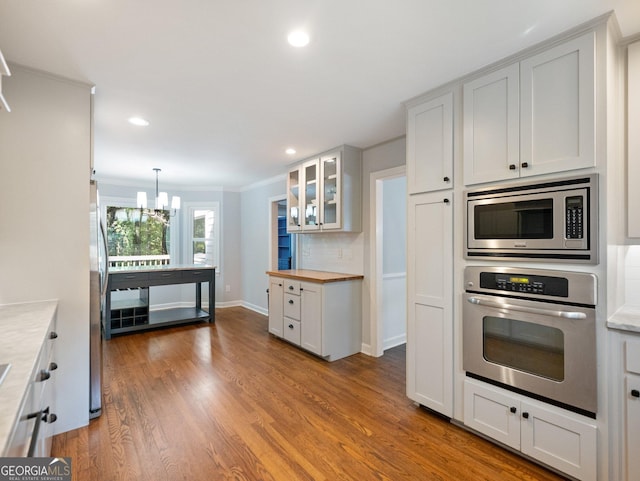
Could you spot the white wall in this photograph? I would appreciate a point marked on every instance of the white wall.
(44, 211)
(254, 240)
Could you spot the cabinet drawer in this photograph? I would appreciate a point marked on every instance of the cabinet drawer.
(164, 277)
(196, 276)
(292, 331)
(632, 349)
(292, 287)
(292, 306)
(128, 279)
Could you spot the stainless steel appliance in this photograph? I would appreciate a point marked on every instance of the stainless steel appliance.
(98, 285)
(541, 220)
(533, 331)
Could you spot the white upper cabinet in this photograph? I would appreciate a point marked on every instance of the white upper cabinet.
(633, 139)
(324, 193)
(430, 145)
(534, 117)
(491, 121)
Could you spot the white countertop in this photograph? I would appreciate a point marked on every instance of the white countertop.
(627, 318)
(24, 328)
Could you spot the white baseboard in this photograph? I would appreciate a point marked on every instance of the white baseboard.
(254, 308)
(394, 341)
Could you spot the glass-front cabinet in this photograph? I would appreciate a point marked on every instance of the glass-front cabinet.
(294, 201)
(331, 192)
(324, 193)
(312, 212)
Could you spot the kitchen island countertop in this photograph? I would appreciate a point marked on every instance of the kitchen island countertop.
(315, 276)
(24, 329)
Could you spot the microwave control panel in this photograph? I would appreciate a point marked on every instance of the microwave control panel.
(521, 283)
(574, 218)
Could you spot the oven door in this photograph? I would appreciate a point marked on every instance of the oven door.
(528, 222)
(543, 349)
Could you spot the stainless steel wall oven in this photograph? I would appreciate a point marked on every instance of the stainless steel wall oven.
(554, 220)
(533, 331)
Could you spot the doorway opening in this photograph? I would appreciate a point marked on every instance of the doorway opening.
(282, 251)
(388, 236)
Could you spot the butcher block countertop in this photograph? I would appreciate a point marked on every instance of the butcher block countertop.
(315, 276)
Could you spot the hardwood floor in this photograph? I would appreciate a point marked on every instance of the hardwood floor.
(230, 402)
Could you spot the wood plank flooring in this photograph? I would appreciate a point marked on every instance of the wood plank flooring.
(230, 402)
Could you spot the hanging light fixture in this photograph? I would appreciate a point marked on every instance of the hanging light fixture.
(162, 198)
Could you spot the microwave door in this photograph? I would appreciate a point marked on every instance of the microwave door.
(532, 221)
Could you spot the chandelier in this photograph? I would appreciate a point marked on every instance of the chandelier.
(162, 198)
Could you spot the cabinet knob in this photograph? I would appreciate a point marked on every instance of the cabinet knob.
(290, 288)
(53, 366)
(524, 165)
(525, 415)
(290, 326)
(635, 393)
(53, 335)
(446, 179)
(512, 166)
(50, 418)
(446, 201)
(290, 301)
(43, 376)
(513, 409)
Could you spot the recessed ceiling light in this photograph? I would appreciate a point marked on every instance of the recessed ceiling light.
(290, 151)
(298, 38)
(138, 121)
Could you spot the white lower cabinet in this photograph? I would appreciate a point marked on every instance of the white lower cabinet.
(558, 438)
(632, 409)
(324, 318)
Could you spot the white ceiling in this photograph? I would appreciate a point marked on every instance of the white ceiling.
(225, 93)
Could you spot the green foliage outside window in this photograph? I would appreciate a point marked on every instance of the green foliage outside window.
(133, 231)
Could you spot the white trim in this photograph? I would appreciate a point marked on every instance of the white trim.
(375, 261)
(395, 341)
(254, 308)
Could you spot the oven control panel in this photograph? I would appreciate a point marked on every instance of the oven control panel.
(525, 284)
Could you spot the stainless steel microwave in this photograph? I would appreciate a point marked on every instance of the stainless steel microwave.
(550, 221)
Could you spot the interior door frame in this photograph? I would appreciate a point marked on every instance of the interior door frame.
(376, 198)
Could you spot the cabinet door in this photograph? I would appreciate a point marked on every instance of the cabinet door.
(294, 200)
(430, 145)
(311, 195)
(559, 441)
(311, 317)
(276, 307)
(331, 191)
(632, 426)
(633, 139)
(492, 127)
(492, 412)
(430, 293)
(557, 116)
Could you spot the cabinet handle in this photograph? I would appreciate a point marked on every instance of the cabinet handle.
(43, 376)
(290, 288)
(635, 393)
(53, 335)
(279, 285)
(512, 166)
(525, 415)
(446, 201)
(446, 179)
(301, 289)
(513, 409)
(525, 165)
(290, 301)
(290, 326)
(53, 366)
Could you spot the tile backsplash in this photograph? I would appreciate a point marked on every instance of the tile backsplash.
(632, 276)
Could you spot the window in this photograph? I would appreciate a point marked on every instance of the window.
(204, 232)
(138, 236)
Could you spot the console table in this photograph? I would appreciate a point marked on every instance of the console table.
(133, 314)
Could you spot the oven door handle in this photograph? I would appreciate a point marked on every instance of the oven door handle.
(531, 310)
